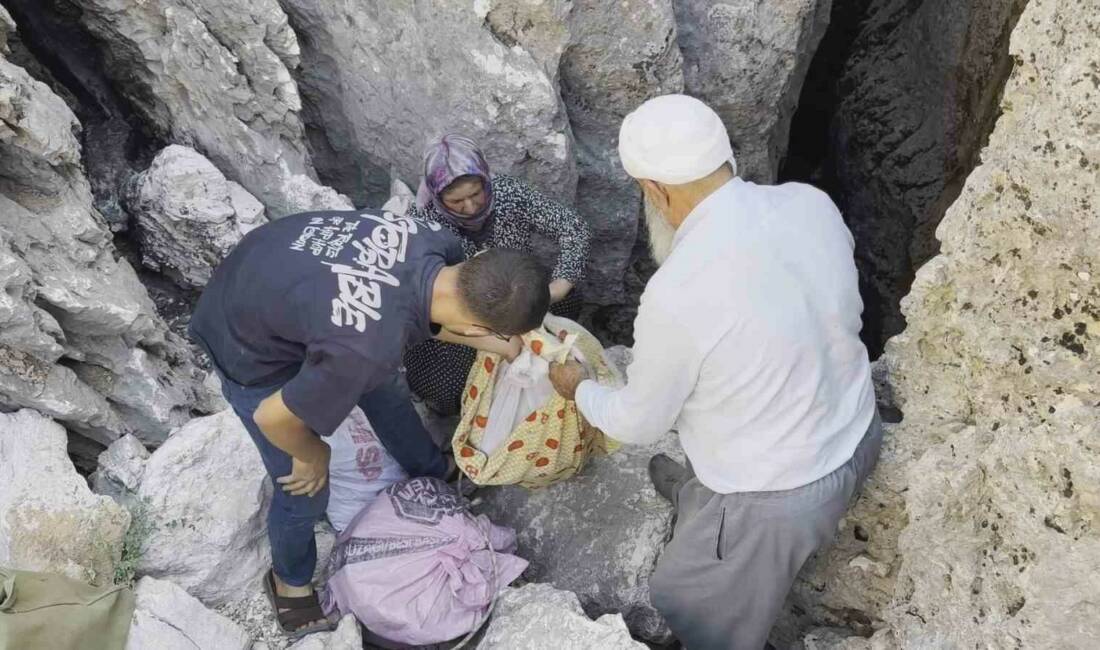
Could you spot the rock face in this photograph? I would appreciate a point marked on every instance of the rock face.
(113, 138)
(987, 532)
(7, 27)
(830, 639)
(747, 60)
(619, 54)
(384, 79)
(216, 76)
(920, 91)
(206, 494)
(598, 534)
(66, 297)
(49, 519)
(542, 86)
(120, 469)
(539, 617)
(346, 636)
(189, 217)
(380, 83)
(167, 618)
(608, 58)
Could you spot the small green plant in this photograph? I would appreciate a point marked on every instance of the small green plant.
(133, 543)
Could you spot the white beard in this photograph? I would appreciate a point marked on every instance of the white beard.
(661, 233)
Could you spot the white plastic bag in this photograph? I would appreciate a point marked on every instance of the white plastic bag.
(359, 469)
(522, 387)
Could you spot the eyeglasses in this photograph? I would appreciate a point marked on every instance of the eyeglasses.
(488, 332)
(493, 332)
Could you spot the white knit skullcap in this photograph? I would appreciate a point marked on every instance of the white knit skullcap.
(674, 139)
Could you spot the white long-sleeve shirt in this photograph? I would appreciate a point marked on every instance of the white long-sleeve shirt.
(747, 343)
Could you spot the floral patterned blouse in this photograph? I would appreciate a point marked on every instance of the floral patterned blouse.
(518, 211)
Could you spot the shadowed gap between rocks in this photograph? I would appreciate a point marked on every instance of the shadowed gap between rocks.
(899, 101)
(52, 45)
(115, 143)
(58, 51)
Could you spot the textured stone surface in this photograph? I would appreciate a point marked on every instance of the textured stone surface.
(57, 50)
(168, 618)
(608, 57)
(206, 495)
(540, 617)
(120, 470)
(830, 639)
(216, 76)
(619, 55)
(988, 489)
(346, 636)
(49, 519)
(66, 296)
(920, 91)
(7, 26)
(189, 217)
(598, 534)
(748, 60)
(385, 78)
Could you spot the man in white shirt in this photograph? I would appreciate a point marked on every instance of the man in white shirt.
(747, 343)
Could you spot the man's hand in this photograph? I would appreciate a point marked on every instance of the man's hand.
(308, 477)
(566, 377)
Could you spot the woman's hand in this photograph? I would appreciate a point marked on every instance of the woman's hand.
(559, 289)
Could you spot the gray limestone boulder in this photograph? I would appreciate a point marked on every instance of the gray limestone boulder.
(168, 618)
(189, 217)
(607, 58)
(216, 76)
(619, 55)
(748, 60)
(979, 527)
(920, 94)
(80, 340)
(346, 636)
(540, 617)
(7, 26)
(834, 639)
(384, 79)
(205, 495)
(598, 534)
(120, 470)
(49, 519)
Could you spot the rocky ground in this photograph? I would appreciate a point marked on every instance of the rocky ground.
(139, 140)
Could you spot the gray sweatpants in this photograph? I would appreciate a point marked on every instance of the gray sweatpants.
(723, 578)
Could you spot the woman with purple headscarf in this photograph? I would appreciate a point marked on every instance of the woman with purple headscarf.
(487, 211)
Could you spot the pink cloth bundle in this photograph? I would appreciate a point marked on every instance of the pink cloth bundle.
(417, 567)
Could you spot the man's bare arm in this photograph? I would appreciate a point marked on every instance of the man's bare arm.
(309, 469)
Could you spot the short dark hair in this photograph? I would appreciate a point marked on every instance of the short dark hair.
(507, 289)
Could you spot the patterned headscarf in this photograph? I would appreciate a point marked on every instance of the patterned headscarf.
(451, 157)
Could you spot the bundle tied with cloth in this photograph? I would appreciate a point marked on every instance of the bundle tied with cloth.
(514, 428)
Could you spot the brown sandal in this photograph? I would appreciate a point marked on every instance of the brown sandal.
(292, 613)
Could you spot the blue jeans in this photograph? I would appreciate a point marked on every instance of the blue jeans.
(291, 518)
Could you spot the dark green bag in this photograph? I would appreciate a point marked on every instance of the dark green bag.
(45, 611)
